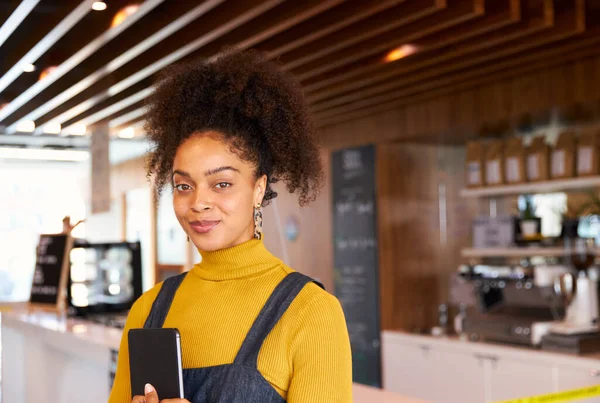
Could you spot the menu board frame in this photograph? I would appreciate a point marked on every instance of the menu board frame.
(356, 257)
(53, 268)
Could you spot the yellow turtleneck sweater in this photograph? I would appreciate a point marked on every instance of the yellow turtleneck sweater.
(306, 357)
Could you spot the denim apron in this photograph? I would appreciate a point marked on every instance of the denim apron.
(240, 381)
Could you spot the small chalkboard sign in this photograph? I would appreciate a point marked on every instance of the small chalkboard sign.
(356, 261)
(51, 269)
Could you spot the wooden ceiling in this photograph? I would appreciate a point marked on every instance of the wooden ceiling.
(336, 48)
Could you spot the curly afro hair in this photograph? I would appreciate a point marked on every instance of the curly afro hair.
(256, 107)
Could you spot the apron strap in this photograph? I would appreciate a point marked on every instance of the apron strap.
(163, 301)
(275, 307)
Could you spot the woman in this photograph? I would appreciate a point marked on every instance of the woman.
(252, 329)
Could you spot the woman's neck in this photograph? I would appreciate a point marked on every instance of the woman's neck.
(243, 260)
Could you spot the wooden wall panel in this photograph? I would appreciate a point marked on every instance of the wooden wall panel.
(424, 116)
(419, 250)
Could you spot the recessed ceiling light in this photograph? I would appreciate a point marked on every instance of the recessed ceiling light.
(27, 126)
(400, 52)
(127, 133)
(52, 128)
(47, 72)
(123, 14)
(99, 6)
(28, 68)
(78, 129)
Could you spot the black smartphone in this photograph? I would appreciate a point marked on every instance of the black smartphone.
(155, 358)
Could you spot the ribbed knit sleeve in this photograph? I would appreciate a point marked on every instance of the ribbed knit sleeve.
(322, 362)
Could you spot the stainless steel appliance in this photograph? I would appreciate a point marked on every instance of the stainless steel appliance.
(506, 303)
(105, 278)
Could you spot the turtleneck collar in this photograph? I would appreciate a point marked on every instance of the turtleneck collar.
(243, 260)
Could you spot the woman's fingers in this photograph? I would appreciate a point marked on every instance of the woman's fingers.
(151, 395)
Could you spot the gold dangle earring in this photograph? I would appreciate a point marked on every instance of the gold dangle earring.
(257, 222)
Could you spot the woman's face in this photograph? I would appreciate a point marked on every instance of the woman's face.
(214, 193)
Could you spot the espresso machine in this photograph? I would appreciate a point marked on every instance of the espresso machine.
(553, 303)
(508, 303)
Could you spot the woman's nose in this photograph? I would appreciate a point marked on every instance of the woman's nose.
(201, 202)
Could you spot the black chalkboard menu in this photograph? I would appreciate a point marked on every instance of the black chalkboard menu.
(49, 277)
(356, 257)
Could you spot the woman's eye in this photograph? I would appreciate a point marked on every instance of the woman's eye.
(222, 185)
(183, 187)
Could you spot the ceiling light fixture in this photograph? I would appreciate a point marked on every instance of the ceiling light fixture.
(99, 6)
(127, 133)
(52, 128)
(123, 14)
(43, 154)
(78, 129)
(28, 68)
(399, 53)
(46, 72)
(26, 126)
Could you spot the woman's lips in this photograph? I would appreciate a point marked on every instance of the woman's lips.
(204, 226)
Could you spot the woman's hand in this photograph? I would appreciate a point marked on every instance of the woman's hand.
(150, 396)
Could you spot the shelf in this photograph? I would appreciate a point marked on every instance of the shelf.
(534, 187)
(517, 252)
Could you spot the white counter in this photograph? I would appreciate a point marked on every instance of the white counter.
(452, 371)
(46, 359)
(52, 360)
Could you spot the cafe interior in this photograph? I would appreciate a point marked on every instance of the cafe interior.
(459, 221)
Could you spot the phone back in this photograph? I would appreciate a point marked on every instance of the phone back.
(155, 358)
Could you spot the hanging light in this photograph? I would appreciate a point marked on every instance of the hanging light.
(99, 6)
(46, 72)
(26, 126)
(123, 13)
(127, 133)
(399, 53)
(52, 128)
(28, 68)
(78, 129)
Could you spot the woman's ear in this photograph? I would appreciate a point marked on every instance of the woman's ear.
(259, 189)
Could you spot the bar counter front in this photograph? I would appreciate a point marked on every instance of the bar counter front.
(46, 358)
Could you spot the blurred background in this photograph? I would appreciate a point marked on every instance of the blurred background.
(459, 220)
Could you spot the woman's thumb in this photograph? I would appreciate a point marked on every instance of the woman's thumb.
(150, 394)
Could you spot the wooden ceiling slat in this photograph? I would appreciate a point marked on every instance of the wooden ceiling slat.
(16, 18)
(280, 19)
(241, 14)
(378, 24)
(356, 79)
(371, 53)
(474, 64)
(121, 60)
(459, 82)
(348, 13)
(247, 40)
(46, 43)
(269, 24)
(126, 118)
(568, 24)
(116, 107)
(73, 61)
